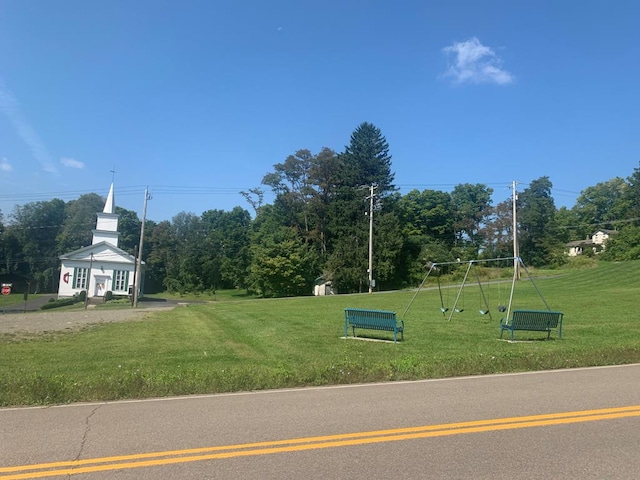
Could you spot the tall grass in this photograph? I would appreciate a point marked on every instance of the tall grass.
(250, 344)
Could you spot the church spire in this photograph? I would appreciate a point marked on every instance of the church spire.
(107, 224)
(110, 204)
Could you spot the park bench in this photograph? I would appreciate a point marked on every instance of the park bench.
(372, 320)
(533, 320)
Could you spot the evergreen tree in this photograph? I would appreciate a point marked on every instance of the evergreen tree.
(366, 160)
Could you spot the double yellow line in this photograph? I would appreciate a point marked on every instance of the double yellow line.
(141, 460)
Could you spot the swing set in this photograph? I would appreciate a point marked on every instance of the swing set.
(484, 309)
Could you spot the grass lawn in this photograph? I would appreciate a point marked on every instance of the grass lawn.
(250, 344)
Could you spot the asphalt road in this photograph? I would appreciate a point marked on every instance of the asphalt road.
(565, 424)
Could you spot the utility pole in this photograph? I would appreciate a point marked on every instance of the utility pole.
(372, 188)
(88, 283)
(516, 254)
(138, 268)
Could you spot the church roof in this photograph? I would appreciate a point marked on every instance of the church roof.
(103, 251)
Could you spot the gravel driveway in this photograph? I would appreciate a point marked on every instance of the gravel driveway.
(48, 321)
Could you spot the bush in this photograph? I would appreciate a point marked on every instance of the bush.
(82, 296)
(108, 296)
(62, 302)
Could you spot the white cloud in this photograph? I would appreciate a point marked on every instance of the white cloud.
(5, 166)
(475, 63)
(10, 107)
(71, 162)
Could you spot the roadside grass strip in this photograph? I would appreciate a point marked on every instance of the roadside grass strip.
(152, 459)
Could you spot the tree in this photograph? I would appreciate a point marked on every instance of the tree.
(36, 226)
(254, 197)
(601, 206)
(189, 235)
(80, 220)
(632, 197)
(304, 185)
(366, 160)
(225, 253)
(624, 246)
(427, 214)
(569, 225)
(471, 204)
(280, 261)
(425, 218)
(324, 174)
(130, 226)
(498, 231)
(538, 239)
(291, 183)
(162, 265)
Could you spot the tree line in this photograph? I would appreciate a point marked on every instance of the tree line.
(317, 228)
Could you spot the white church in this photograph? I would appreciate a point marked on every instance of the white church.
(102, 266)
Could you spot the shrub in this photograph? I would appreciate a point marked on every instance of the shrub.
(61, 302)
(108, 296)
(82, 296)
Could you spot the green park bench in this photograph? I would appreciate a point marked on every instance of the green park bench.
(533, 320)
(372, 320)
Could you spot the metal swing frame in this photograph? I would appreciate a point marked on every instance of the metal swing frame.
(470, 263)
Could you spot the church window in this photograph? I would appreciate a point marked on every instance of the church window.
(120, 280)
(80, 278)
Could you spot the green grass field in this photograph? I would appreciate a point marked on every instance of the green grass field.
(238, 344)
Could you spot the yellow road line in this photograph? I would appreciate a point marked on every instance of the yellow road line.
(309, 443)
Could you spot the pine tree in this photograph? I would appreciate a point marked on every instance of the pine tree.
(366, 159)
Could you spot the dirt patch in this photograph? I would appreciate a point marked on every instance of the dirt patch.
(49, 321)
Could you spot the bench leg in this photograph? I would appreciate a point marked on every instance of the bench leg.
(560, 331)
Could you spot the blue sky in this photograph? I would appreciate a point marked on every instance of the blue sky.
(198, 99)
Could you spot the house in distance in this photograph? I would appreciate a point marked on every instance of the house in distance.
(596, 243)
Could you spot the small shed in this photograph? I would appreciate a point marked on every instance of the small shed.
(322, 286)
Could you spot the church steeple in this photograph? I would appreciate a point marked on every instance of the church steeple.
(110, 204)
(107, 224)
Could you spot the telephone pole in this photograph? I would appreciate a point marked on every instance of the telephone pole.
(516, 255)
(138, 269)
(372, 188)
(88, 282)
